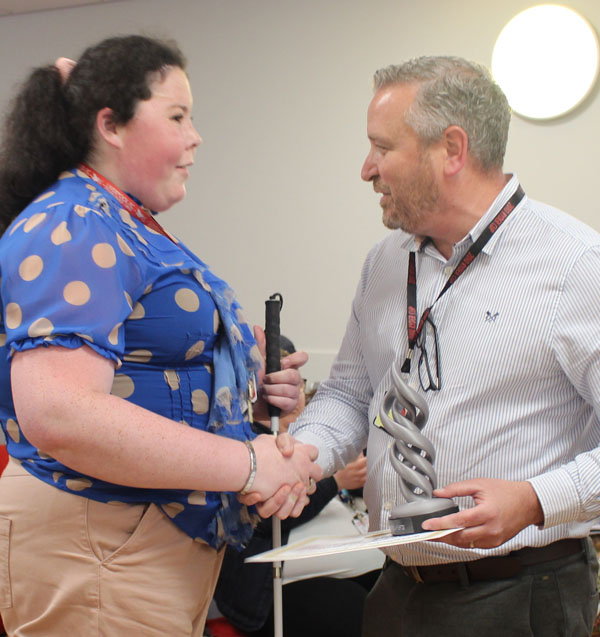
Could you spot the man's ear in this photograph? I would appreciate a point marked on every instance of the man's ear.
(456, 145)
(108, 130)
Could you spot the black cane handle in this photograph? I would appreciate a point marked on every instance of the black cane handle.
(272, 333)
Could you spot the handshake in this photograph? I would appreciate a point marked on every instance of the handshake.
(286, 475)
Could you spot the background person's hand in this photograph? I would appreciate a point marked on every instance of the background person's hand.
(353, 475)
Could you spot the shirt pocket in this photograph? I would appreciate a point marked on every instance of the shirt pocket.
(5, 587)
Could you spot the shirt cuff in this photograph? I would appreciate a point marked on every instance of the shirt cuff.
(558, 497)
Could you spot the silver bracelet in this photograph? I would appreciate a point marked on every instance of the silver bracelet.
(250, 481)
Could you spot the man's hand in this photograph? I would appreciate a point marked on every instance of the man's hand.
(502, 509)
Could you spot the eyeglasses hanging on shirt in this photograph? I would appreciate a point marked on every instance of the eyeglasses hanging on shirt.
(419, 334)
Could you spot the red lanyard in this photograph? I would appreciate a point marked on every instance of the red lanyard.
(139, 212)
(411, 286)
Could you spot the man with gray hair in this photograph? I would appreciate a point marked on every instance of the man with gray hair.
(507, 356)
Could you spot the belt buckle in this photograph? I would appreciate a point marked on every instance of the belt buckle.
(414, 572)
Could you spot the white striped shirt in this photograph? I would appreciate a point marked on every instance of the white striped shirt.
(519, 343)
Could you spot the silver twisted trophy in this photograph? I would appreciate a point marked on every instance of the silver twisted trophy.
(403, 414)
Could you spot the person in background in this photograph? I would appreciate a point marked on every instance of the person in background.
(127, 368)
(496, 324)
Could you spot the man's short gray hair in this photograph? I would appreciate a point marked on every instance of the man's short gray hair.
(454, 91)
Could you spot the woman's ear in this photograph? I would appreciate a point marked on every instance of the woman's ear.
(456, 145)
(108, 130)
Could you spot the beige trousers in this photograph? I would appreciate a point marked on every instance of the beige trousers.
(73, 567)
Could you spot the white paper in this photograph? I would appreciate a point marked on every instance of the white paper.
(329, 544)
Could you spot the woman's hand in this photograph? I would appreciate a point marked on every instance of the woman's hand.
(281, 389)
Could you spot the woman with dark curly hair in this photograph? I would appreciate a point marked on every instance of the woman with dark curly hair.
(125, 365)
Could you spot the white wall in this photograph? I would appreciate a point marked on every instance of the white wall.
(275, 201)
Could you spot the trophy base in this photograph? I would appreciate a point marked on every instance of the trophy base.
(407, 518)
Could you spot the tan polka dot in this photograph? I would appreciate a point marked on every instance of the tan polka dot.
(200, 278)
(60, 234)
(13, 429)
(139, 356)
(34, 221)
(153, 231)
(104, 255)
(46, 195)
(172, 379)
(128, 299)
(216, 321)
(148, 289)
(185, 270)
(44, 456)
(122, 386)
(78, 484)
(2, 340)
(138, 312)
(195, 350)
(14, 316)
(85, 337)
(57, 475)
(31, 267)
(82, 210)
(67, 174)
(41, 327)
(200, 403)
(113, 337)
(125, 249)
(187, 299)
(126, 218)
(76, 293)
(54, 204)
(80, 173)
(197, 498)
(18, 225)
(173, 509)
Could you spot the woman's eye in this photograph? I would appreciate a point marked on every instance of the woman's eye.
(177, 118)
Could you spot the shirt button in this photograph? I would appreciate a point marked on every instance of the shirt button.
(448, 270)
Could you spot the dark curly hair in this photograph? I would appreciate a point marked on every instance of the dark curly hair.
(50, 125)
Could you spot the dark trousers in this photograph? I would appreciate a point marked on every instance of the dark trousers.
(552, 599)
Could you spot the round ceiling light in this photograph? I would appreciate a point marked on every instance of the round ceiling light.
(546, 61)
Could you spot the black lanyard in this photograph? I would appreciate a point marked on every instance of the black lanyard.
(411, 285)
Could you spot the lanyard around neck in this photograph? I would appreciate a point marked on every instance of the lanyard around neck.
(413, 328)
(139, 212)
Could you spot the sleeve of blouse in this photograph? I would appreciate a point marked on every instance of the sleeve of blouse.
(68, 278)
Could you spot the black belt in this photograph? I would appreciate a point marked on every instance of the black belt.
(492, 568)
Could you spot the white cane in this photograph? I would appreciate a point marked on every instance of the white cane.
(272, 332)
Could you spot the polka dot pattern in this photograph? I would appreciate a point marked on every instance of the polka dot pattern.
(200, 402)
(31, 267)
(13, 316)
(97, 276)
(123, 386)
(104, 255)
(60, 234)
(76, 293)
(187, 300)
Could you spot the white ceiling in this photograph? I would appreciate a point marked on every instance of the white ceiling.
(12, 7)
